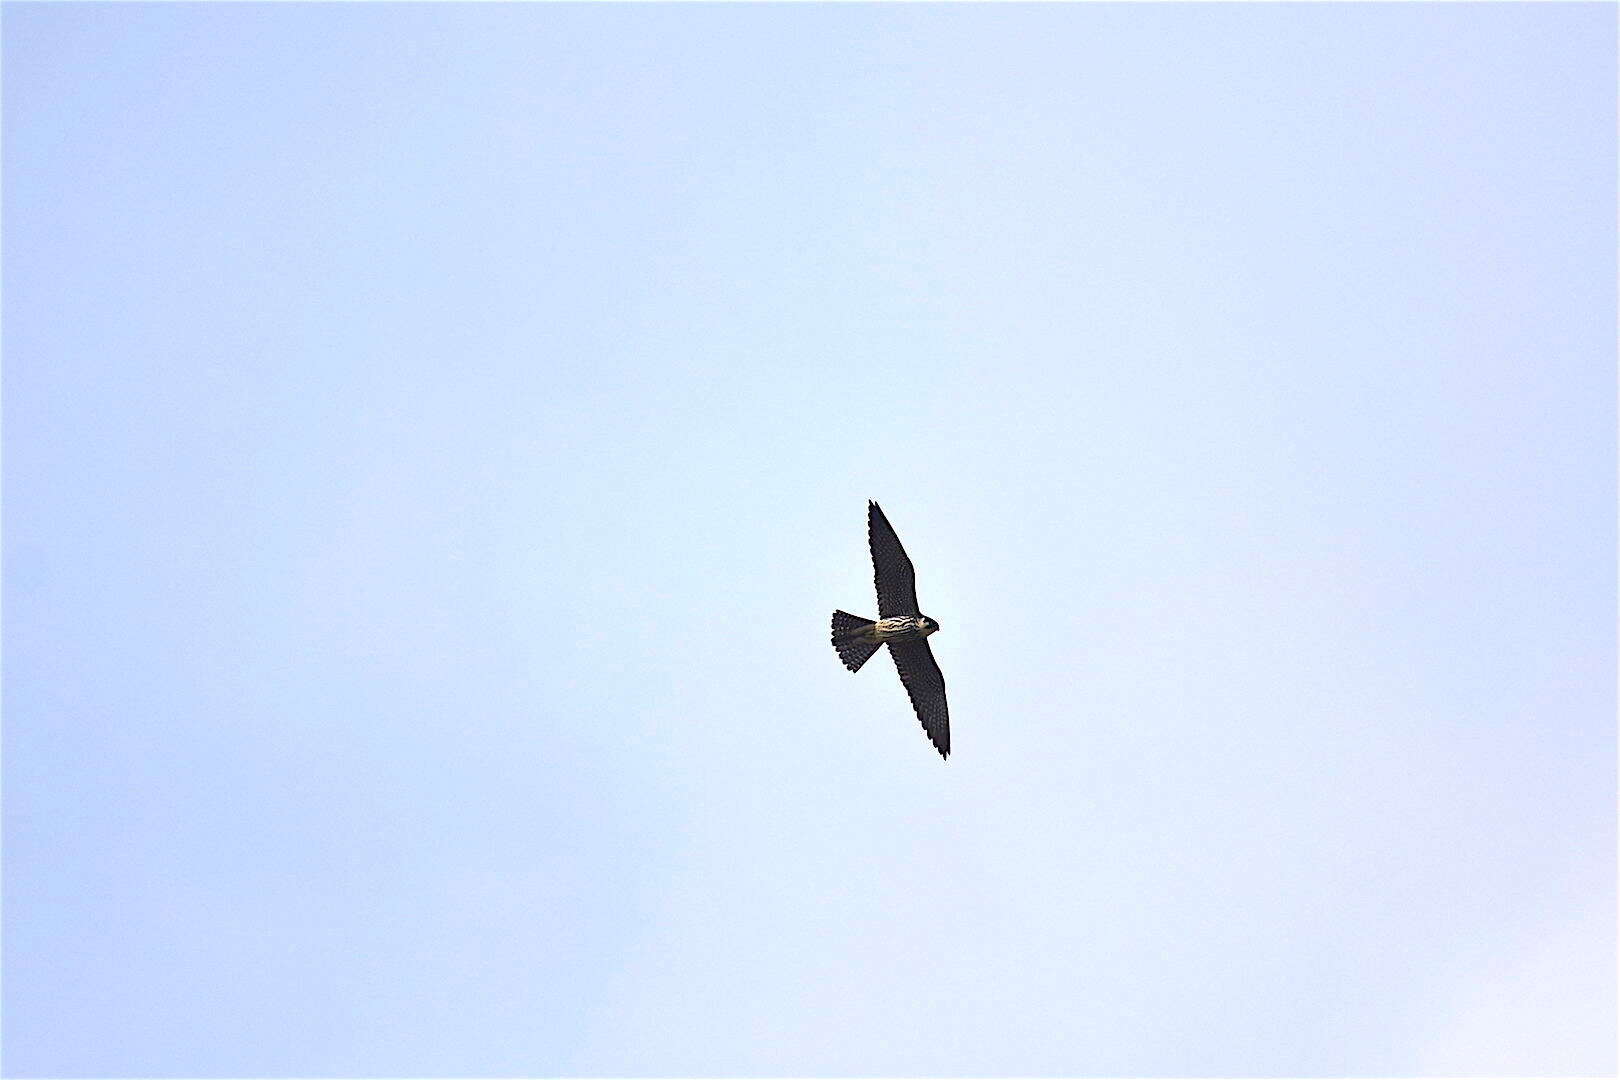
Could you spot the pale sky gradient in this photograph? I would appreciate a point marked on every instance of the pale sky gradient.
(436, 436)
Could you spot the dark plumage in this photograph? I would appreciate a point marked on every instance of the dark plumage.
(900, 626)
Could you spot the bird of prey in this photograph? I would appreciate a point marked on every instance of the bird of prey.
(901, 626)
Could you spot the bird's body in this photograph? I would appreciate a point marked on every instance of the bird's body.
(901, 627)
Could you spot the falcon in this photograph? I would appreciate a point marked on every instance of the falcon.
(900, 626)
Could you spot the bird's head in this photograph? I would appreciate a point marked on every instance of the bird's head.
(928, 625)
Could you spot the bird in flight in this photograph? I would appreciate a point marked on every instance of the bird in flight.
(901, 626)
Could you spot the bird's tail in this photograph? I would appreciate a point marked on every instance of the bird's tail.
(846, 638)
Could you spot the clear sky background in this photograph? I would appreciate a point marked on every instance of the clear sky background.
(436, 437)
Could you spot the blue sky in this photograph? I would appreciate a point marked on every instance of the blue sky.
(436, 435)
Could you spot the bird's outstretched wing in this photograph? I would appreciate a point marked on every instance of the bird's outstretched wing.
(891, 569)
(920, 675)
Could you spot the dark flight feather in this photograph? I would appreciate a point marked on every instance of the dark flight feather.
(891, 567)
(925, 685)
